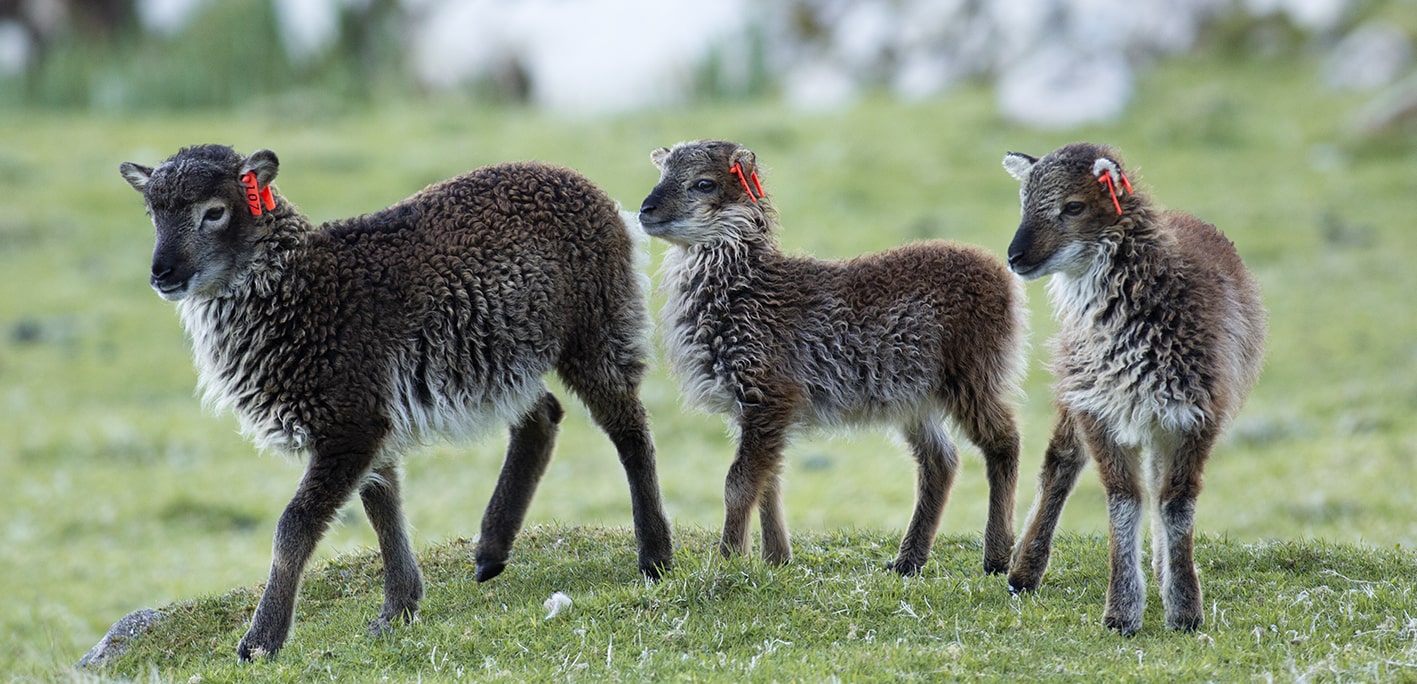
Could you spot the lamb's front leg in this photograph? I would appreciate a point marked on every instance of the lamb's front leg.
(528, 452)
(1180, 485)
(1120, 468)
(330, 479)
(762, 438)
(777, 544)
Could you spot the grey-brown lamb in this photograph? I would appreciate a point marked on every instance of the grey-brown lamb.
(352, 341)
(1160, 338)
(905, 337)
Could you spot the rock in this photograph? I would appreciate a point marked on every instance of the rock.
(16, 48)
(115, 642)
(1058, 87)
(1372, 56)
(1394, 106)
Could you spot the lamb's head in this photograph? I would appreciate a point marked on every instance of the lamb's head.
(1074, 201)
(206, 230)
(708, 192)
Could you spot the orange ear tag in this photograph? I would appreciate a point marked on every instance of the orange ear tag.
(253, 193)
(268, 198)
(1106, 179)
(737, 170)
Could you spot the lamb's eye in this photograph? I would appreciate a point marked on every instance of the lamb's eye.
(214, 214)
(1073, 208)
(705, 185)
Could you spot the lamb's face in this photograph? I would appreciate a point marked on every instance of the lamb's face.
(205, 232)
(1066, 212)
(699, 198)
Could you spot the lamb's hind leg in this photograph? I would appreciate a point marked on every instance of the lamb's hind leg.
(991, 426)
(528, 452)
(1062, 463)
(936, 464)
(611, 392)
(403, 584)
(1180, 484)
(335, 469)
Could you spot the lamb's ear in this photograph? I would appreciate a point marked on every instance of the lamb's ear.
(658, 157)
(1109, 167)
(745, 159)
(137, 175)
(1019, 165)
(264, 163)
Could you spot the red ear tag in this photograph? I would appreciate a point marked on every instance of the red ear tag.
(1106, 179)
(737, 170)
(253, 193)
(268, 198)
(759, 185)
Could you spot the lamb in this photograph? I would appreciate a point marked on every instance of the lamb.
(1161, 335)
(353, 341)
(778, 342)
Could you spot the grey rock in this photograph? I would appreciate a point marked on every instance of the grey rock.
(115, 642)
(1372, 56)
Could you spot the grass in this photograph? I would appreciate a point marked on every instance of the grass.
(1282, 610)
(120, 493)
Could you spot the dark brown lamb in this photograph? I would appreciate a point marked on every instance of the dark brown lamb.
(352, 341)
(1160, 338)
(906, 337)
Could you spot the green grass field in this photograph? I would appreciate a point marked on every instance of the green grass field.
(120, 493)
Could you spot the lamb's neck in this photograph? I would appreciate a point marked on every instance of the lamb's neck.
(1128, 276)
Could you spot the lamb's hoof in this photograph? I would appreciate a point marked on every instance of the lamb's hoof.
(486, 570)
(905, 568)
(1121, 625)
(654, 571)
(1019, 584)
(249, 650)
(380, 627)
(996, 567)
(1185, 623)
(384, 625)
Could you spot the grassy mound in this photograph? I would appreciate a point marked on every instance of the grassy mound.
(1284, 611)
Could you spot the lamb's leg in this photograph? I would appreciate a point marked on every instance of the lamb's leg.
(1062, 463)
(528, 452)
(1155, 473)
(1180, 485)
(623, 418)
(1120, 468)
(609, 385)
(777, 544)
(762, 437)
(992, 428)
(936, 464)
(334, 470)
(403, 584)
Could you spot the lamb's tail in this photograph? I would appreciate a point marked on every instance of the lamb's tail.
(639, 242)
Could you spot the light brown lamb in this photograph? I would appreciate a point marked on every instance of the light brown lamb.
(905, 337)
(1161, 336)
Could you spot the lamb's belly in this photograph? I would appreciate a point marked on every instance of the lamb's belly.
(1136, 410)
(708, 392)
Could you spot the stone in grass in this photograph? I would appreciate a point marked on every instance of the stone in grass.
(115, 642)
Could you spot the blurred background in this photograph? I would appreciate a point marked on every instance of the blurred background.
(1291, 124)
